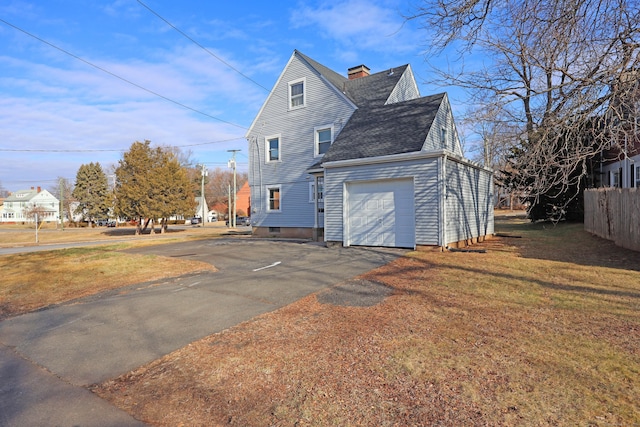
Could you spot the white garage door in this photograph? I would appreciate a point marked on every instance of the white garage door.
(380, 213)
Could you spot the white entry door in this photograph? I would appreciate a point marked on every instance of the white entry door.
(380, 213)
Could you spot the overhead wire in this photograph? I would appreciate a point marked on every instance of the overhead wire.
(117, 76)
(91, 150)
(201, 46)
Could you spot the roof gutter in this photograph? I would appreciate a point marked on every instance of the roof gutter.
(414, 155)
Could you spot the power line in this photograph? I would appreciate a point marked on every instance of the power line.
(119, 77)
(37, 150)
(92, 150)
(202, 47)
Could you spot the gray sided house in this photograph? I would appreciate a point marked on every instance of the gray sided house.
(363, 160)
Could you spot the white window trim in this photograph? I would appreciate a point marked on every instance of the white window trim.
(304, 93)
(316, 142)
(266, 148)
(269, 187)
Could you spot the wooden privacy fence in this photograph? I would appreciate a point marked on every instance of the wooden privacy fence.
(614, 214)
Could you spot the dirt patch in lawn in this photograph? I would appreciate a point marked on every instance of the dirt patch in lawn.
(507, 337)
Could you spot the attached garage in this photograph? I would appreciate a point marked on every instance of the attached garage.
(380, 213)
(407, 201)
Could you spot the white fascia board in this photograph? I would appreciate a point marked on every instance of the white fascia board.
(413, 79)
(463, 160)
(415, 155)
(338, 91)
(384, 159)
(331, 85)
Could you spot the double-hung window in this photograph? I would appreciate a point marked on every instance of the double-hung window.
(323, 139)
(297, 94)
(273, 148)
(273, 202)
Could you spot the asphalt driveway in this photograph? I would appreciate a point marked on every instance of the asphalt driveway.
(49, 357)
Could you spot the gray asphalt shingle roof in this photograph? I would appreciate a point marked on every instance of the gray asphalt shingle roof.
(385, 130)
(374, 89)
(365, 91)
(376, 129)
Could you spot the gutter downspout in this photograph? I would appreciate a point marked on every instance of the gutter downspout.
(315, 208)
(444, 203)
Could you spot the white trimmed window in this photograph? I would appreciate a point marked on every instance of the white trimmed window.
(615, 179)
(297, 93)
(323, 139)
(637, 176)
(273, 199)
(319, 193)
(272, 148)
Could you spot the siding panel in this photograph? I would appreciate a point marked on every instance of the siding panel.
(405, 89)
(469, 205)
(296, 127)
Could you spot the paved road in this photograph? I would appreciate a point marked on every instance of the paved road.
(47, 358)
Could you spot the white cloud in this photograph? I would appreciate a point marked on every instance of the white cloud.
(74, 106)
(357, 25)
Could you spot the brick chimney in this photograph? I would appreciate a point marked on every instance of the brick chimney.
(39, 189)
(357, 72)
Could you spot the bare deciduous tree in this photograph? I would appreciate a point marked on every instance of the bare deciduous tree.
(554, 70)
(217, 186)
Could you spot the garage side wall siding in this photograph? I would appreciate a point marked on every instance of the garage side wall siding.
(469, 203)
(424, 173)
(296, 129)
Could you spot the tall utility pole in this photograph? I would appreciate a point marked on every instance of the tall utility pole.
(204, 173)
(61, 207)
(232, 164)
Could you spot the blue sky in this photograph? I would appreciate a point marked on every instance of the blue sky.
(58, 112)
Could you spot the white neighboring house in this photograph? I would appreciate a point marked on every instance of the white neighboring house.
(197, 212)
(18, 204)
(620, 165)
(200, 209)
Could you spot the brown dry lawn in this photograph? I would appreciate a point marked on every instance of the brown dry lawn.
(19, 235)
(35, 280)
(540, 330)
(31, 281)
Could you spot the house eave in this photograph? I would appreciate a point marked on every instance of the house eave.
(415, 155)
(315, 170)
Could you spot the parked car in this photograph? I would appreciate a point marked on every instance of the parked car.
(196, 220)
(102, 222)
(241, 221)
(111, 223)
